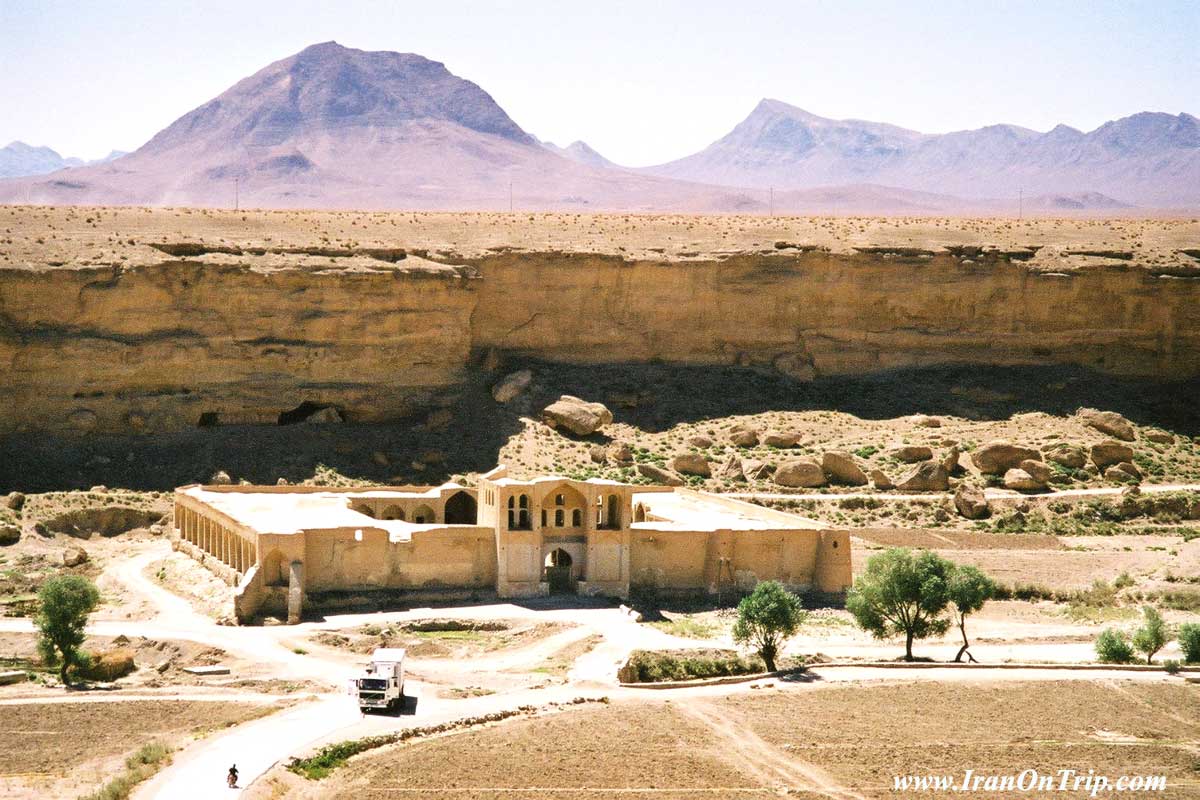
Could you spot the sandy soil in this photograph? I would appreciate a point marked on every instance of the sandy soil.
(61, 749)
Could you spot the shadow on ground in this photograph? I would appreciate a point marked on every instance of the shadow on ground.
(653, 397)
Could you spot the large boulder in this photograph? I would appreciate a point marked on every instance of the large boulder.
(15, 501)
(220, 478)
(1109, 422)
(732, 469)
(780, 440)
(691, 464)
(1021, 481)
(598, 453)
(1160, 437)
(928, 476)
(996, 458)
(659, 475)
(756, 469)
(1109, 452)
(881, 481)
(971, 502)
(578, 416)
(1038, 470)
(9, 534)
(840, 467)
(620, 453)
(1068, 455)
(700, 440)
(800, 473)
(742, 435)
(74, 556)
(926, 421)
(1125, 472)
(950, 460)
(324, 416)
(912, 453)
(512, 386)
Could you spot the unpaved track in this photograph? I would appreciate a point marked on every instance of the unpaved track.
(764, 761)
(991, 494)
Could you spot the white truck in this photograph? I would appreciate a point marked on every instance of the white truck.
(381, 685)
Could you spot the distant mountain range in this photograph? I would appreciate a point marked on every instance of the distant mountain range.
(18, 159)
(335, 127)
(1149, 159)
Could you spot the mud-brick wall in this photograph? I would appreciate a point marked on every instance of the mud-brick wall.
(445, 557)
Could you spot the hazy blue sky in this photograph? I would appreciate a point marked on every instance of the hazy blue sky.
(642, 82)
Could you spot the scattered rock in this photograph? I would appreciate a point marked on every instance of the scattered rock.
(380, 458)
(691, 464)
(780, 440)
(881, 481)
(840, 467)
(9, 534)
(1021, 481)
(578, 416)
(995, 458)
(912, 453)
(743, 436)
(1119, 474)
(756, 469)
(1110, 452)
(1109, 422)
(700, 440)
(157, 529)
(1129, 468)
(281, 482)
(1160, 437)
(324, 416)
(598, 453)
(928, 476)
(659, 475)
(15, 501)
(950, 461)
(512, 386)
(971, 502)
(799, 472)
(731, 469)
(927, 421)
(99, 489)
(220, 478)
(74, 556)
(941, 515)
(620, 453)
(1038, 470)
(1069, 455)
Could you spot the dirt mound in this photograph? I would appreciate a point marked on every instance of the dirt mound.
(108, 521)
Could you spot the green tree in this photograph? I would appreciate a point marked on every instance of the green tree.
(1152, 636)
(768, 617)
(902, 593)
(66, 601)
(1189, 642)
(1112, 647)
(969, 589)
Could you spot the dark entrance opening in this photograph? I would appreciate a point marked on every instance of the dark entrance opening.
(558, 572)
(302, 412)
(461, 509)
(209, 419)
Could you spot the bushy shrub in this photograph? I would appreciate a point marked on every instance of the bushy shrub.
(1153, 635)
(646, 666)
(1189, 642)
(1172, 666)
(1113, 647)
(107, 666)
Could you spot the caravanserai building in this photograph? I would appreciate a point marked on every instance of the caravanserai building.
(287, 546)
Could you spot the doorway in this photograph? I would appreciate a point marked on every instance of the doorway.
(558, 572)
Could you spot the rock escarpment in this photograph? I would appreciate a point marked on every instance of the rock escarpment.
(200, 336)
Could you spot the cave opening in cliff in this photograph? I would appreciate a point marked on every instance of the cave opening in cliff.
(209, 419)
(305, 410)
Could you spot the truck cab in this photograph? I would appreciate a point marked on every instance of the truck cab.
(381, 685)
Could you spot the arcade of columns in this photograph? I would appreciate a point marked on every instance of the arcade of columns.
(218, 540)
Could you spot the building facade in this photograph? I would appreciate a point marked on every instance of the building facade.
(287, 546)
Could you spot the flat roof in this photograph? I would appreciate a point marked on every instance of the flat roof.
(293, 512)
(696, 512)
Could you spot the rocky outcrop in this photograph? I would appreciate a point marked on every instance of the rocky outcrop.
(1068, 455)
(691, 464)
(659, 475)
(971, 501)
(928, 476)
(1108, 422)
(1109, 452)
(840, 467)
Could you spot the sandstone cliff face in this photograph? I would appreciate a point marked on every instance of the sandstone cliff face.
(226, 338)
(186, 343)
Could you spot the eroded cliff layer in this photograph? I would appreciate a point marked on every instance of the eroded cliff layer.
(133, 326)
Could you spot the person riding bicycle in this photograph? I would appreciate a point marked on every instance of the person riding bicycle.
(232, 777)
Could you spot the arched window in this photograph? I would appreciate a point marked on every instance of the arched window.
(558, 499)
(543, 517)
(423, 515)
(393, 512)
(523, 520)
(363, 508)
(639, 513)
(577, 518)
(512, 513)
(614, 512)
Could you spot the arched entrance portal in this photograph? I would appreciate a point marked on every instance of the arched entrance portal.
(461, 509)
(558, 572)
